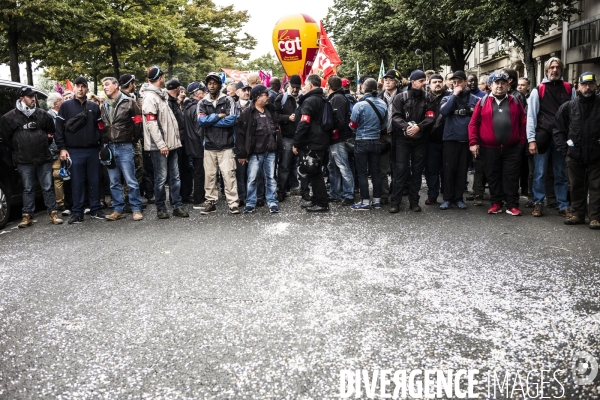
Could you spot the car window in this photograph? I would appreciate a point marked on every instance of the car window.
(8, 97)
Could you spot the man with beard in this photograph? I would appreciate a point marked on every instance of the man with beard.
(577, 137)
(193, 134)
(433, 161)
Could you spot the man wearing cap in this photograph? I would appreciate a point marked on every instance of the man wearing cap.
(285, 108)
(412, 117)
(242, 101)
(577, 137)
(122, 121)
(391, 81)
(27, 131)
(217, 115)
(193, 139)
(457, 109)
(542, 106)
(434, 156)
(161, 139)
(497, 132)
(79, 138)
(258, 139)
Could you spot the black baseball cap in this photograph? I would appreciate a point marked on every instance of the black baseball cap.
(242, 85)
(126, 79)
(154, 73)
(459, 75)
(173, 84)
(26, 91)
(81, 80)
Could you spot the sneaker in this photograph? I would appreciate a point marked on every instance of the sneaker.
(99, 215)
(248, 210)
(180, 212)
(416, 208)
(394, 208)
(595, 224)
(137, 216)
(431, 201)
(317, 208)
(86, 211)
(460, 204)
(445, 205)
(210, 208)
(162, 214)
(495, 209)
(201, 206)
(115, 216)
(27, 221)
(514, 211)
(234, 210)
(348, 202)
(361, 207)
(306, 197)
(307, 205)
(478, 201)
(376, 206)
(273, 209)
(573, 220)
(529, 204)
(54, 218)
(66, 213)
(537, 210)
(565, 213)
(75, 220)
(260, 203)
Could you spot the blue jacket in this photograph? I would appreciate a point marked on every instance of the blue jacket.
(217, 132)
(365, 121)
(457, 126)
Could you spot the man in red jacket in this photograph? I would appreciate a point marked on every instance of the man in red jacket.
(497, 134)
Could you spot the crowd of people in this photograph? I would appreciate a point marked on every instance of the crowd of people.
(257, 145)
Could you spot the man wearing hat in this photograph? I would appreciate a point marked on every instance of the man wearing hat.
(577, 137)
(80, 138)
(391, 88)
(217, 116)
(412, 116)
(285, 108)
(497, 133)
(193, 140)
(435, 146)
(457, 108)
(258, 139)
(161, 139)
(27, 131)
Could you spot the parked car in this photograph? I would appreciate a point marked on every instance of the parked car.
(11, 187)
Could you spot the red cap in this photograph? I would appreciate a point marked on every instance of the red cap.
(345, 82)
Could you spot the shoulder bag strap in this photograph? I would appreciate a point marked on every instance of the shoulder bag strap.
(376, 110)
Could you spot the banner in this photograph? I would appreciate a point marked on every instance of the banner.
(242, 76)
(327, 59)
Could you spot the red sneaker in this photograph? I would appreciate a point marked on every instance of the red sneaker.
(495, 209)
(514, 211)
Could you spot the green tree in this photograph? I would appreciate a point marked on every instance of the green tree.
(266, 62)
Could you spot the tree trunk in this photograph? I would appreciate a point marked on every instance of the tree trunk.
(29, 71)
(528, 39)
(13, 54)
(170, 65)
(115, 57)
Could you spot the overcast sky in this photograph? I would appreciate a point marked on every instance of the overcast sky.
(265, 14)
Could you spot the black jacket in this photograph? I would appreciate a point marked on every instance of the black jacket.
(127, 122)
(246, 128)
(309, 135)
(29, 146)
(174, 106)
(437, 133)
(193, 132)
(90, 135)
(416, 106)
(579, 121)
(341, 107)
(283, 111)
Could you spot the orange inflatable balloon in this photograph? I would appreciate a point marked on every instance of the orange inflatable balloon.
(296, 43)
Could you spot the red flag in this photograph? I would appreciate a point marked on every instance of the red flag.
(328, 49)
(69, 85)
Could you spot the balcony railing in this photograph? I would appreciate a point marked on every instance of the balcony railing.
(584, 33)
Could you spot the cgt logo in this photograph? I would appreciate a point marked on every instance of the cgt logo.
(289, 45)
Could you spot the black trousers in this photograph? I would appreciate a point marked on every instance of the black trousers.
(582, 176)
(410, 162)
(502, 171)
(456, 158)
(186, 174)
(148, 180)
(199, 192)
(319, 190)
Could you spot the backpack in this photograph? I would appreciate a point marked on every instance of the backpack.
(542, 88)
(327, 116)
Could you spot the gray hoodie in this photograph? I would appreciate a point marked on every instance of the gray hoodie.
(155, 108)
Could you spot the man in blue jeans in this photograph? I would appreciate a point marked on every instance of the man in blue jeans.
(257, 143)
(80, 138)
(340, 171)
(26, 130)
(543, 104)
(122, 121)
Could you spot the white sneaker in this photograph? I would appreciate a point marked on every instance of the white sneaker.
(86, 211)
(66, 213)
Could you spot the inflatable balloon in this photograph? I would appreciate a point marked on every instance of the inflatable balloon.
(296, 43)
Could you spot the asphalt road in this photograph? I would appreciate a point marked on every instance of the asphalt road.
(267, 306)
